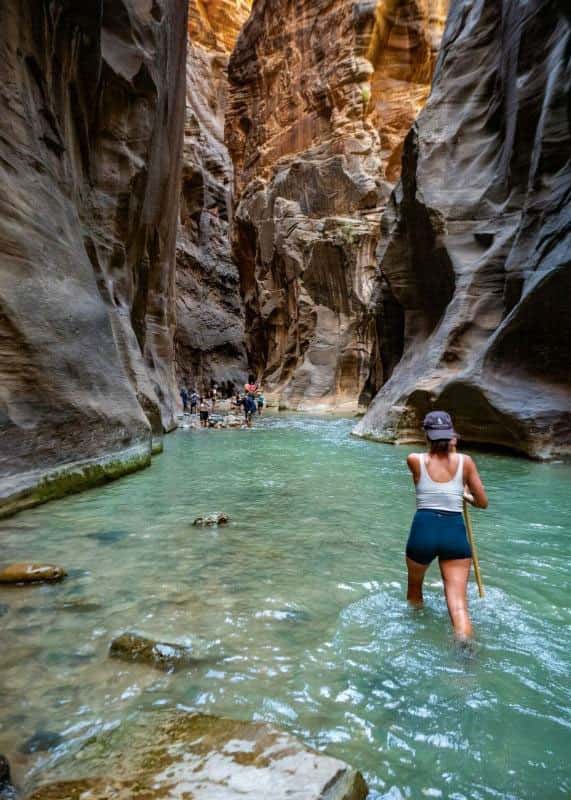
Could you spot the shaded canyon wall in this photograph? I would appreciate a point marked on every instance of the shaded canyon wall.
(91, 124)
(476, 245)
(322, 96)
(210, 341)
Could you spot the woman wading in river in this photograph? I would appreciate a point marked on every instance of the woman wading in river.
(440, 478)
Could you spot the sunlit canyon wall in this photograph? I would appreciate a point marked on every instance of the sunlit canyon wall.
(210, 343)
(322, 96)
(476, 244)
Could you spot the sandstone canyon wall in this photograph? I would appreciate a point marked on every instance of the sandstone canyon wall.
(476, 246)
(322, 95)
(92, 116)
(210, 343)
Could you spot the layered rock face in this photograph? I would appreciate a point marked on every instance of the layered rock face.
(210, 313)
(322, 95)
(477, 242)
(92, 116)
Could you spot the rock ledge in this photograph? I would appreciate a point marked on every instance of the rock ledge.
(198, 756)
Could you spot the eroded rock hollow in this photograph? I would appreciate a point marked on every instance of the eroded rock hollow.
(322, 96)
(210, 342)
(92, 118)
(476, 245)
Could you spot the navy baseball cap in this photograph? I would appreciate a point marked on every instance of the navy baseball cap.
(438, 425)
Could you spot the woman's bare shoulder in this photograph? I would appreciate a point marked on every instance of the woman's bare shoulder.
(412, 461)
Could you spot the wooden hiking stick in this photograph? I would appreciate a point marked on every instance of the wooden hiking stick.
(470, 532)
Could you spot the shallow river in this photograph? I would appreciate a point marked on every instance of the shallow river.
(301, 596)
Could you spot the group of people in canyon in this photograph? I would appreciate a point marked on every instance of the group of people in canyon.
(251, 401)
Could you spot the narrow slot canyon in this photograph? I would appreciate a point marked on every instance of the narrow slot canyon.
(246, 248)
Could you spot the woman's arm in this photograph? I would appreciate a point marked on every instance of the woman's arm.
(472, 478)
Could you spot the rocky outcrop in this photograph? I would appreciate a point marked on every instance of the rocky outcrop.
(217, 518)
(201, 757)
(477, 242)
(92, 115)
(210, 314)
(322, 95)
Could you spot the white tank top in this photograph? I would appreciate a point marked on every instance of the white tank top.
(446, 496)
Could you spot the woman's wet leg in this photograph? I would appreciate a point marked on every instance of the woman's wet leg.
(416, 573)
(455, 573)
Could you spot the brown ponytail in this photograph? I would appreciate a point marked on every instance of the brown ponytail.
(440, 446)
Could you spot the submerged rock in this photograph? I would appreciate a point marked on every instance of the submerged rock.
(41, 742)
(4, 608)
(212, 519)
(161, 655)
(79, 606)
(200, 757)
(31, 573)
(108, 537)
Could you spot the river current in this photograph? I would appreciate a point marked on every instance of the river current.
(300, 603)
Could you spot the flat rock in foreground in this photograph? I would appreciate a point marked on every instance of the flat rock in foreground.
(199, 757)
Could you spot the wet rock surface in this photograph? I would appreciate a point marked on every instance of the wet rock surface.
(41, 742)
(477, 241)
(161, 655)
(322, 96)
(210, 314)
(92, 116)
(199, 756)
(31, 573)
(211, 519)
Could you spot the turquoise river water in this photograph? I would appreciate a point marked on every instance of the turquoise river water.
(302, 598)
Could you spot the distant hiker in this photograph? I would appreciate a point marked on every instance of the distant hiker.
(250, 400)
(214, 395)
(260, 401)
(251, 388)
(438, 530)
(204, 409)
(185, 398)
(238, 402)
(249, 409)
(194, 400)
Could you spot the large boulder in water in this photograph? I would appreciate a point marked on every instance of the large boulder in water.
(161, 655)
(201, 757)
(31, 573)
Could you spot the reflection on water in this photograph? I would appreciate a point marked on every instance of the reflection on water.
(299, 601)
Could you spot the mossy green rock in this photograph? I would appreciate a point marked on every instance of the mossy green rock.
(198, 757)
(161, 655)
